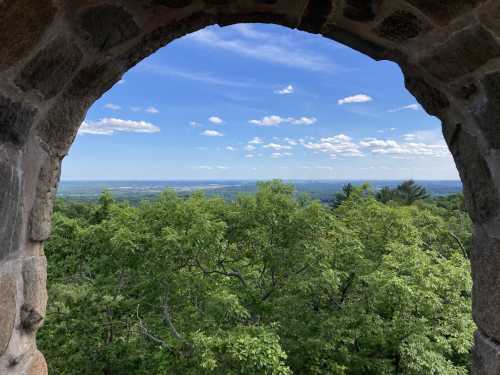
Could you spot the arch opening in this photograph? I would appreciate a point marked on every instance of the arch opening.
(55, 69)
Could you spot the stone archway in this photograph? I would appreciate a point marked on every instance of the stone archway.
(57, 57)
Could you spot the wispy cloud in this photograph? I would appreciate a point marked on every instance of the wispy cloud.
(393, 147)
(256, 45)
(110, 126)
(169, 71)
(340, 144)
(275, 120)
(215, 120)
(288, 90)
(256, 141)
(358, 98)
(230, 148)
(113, 107)
(152, 110)
(413, 107)
(277, 147)
(212, 133)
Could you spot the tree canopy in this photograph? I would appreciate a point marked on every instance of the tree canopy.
(269, 283)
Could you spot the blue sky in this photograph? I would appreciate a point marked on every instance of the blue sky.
(258, 102)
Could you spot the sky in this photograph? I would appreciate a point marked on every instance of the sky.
(253, 101)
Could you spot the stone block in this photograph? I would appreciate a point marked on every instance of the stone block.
(51, 68)
(22, 26)
(37, 365)
(400, 26)
(16, 120)
(108, 26)
(360, 10)
(486, 356)
(7, 310)
(465, 52)
(34, 291)
(443, 11)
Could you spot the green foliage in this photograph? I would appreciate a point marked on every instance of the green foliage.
(269, 283)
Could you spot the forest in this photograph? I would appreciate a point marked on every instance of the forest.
(275, 282)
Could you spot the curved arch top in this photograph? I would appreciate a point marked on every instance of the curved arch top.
(57, 57)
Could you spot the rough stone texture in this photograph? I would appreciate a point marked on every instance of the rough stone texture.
(22, 25)
(37, 365)
(16, 120)
(488, 116)
(35, 292)
(433, 100)
(108, 26)
(51, 69)
(400, 26)
(486, 356)
(7, 310)
(465, 52)
(57, 58)
(41, 215)
(10, 196)
(443, 11)
(360, 10)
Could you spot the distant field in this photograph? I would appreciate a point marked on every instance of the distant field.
(141, 190)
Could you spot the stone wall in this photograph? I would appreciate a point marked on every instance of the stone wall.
(58, 56)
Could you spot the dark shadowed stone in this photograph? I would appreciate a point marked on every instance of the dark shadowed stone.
(216, 2)
(485, 263)
(488, 116)
(432, 100)
(443, 11)
(401, 26)
(23, 23)
(16, 120)
(108, 26)
(30, 318)
(479, 188)
(173, 3)
(360, 10)
(486, 356)
(51, 69)
(7, 310)
(464, 53)
(10, 207)
(315, 15)
(490, 16)
(38, 365)
(265, 2)
(354, 41)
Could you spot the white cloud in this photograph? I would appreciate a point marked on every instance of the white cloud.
(277, 147)
(340, 144)
(152, 110)
(120, 82)
(230, 148)
(113, 107)
(109, 126)
(407, 148)
(211, 168)
(276, 155)
(135, 109)
(288, 90)
(249, 156)
(215, 120)
(195, 124)
(359, 98)
(275, 120)
(212, 133)
(249, 147)
(271, 50)
(256, 141)
(413, 107)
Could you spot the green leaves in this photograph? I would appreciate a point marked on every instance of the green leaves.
(267, 284)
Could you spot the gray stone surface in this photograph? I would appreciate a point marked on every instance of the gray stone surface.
(22, 26)
(51, 68)
(7, 310)
(10, 207)
(108, 26)
(16, 120)
(34, 290)
(486, 355)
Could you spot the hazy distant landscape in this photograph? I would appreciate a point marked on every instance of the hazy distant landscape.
(322, 190)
